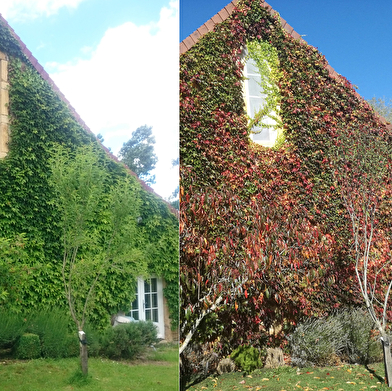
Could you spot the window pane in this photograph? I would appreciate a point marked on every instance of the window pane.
(254, 85)
(134, 310)
(147, 286)
(263, 135)
(256, 104)
(148, 315)
(154, 300)
(154, 285)
(155, 315)
(135, 315)
(135, 304)
(148, 301)
(251, 67)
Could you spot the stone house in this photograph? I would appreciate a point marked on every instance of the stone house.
(24, 207)
(260, 111)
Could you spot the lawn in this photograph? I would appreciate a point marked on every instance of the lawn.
(338, 378)
(157, 371)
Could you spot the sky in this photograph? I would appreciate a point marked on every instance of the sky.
(115, 61)
(354, 35)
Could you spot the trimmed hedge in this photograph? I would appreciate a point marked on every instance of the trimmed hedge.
(28, 347)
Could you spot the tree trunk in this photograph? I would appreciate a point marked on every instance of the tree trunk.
(385, 340)
(83, 352)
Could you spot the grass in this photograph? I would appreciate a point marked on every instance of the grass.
(338, 378)
(158, 370)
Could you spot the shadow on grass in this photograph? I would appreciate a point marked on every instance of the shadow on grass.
(78, 379)
(373, 372)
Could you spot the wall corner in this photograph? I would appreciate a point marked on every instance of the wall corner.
(4, 101)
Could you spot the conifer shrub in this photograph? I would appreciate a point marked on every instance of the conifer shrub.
(28, 347)
(247, 358)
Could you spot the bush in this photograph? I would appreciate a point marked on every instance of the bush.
(12, 327)
(28, 347)
(247, 358)
(93, 338)
(128, 340)
(344, 335)
(316, 341)
(361, 346)
(52, 328)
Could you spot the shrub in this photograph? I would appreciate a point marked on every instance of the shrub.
(52, 328)
(28, 347)
(343, 335)
(128, 340)
(72, 345)
(197, 361)
(246, 358)
(93, 338)
(361, 346)
(12, 327)
(316, 341)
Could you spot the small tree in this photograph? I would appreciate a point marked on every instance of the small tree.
(362, 173)
(382, 108)
(138, 153)
(173, 198)
(98, 222)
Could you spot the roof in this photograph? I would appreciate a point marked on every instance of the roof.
(40, 69)
(226, 12)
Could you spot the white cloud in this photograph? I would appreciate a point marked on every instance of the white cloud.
(20, 10)
(130, 80)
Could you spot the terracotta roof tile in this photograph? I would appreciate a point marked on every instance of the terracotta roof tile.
(270, 10)
(195, 36)
(210, 24)
(295, 35)
(224, 13)
(183, 48)
(216, 19)
(230, 7)
(286, 26)
(202, 30)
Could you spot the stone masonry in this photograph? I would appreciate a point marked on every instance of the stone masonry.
(4, 100)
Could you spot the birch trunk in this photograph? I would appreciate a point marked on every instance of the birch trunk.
(386, 347)
(83, 352)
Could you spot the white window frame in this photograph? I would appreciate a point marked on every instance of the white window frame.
(271, 131)
(145, 304)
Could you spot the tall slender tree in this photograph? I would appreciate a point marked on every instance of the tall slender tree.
(138, 153)
(362, 173)
(98, 223)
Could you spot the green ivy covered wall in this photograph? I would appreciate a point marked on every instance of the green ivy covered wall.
(39, 119)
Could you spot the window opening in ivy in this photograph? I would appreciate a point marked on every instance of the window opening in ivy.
(262, 97)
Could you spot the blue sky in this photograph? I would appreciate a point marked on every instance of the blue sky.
(116, 62)
(354, 35)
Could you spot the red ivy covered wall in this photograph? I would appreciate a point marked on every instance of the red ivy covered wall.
(271, 215)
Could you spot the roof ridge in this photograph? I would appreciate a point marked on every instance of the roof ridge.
(45, 75)
(227, 11)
